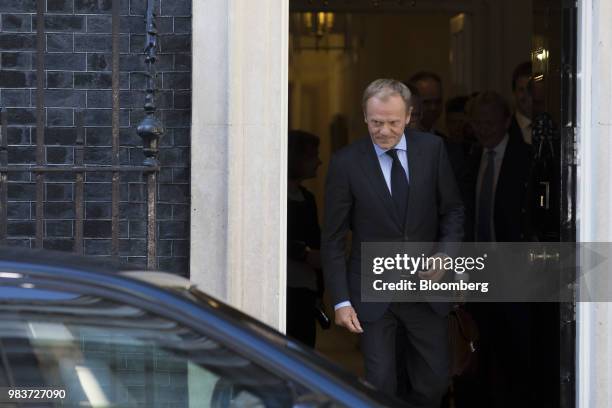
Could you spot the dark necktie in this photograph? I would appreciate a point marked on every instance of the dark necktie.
(485, 200)
(399, 185)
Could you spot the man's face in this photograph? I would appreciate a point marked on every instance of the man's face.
(386, 119)
(431, 100)
(489, 125)
(522, 98)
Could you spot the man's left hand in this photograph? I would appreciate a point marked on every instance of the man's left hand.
(435, 274)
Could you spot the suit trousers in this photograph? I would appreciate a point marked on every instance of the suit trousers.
(427, 354)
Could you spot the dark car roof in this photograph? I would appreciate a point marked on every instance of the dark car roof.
(86, 275)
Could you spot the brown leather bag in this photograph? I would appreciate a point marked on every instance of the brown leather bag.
(463, 338)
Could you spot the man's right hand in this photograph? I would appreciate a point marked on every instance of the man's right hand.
(347, 318)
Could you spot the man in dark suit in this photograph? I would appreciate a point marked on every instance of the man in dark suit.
(392, 186)
(520, 125)
(429, 86)
(499, 206)
(498, 212)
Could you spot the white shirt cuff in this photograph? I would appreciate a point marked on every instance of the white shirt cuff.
(342, 304)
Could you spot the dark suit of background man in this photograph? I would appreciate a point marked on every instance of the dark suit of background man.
(505, 182)
(391, 186)
(520, 125)
(499, 175)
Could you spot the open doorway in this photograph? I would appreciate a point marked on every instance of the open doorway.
(338, 47)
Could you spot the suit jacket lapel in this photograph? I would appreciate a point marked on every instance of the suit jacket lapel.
(374, 175)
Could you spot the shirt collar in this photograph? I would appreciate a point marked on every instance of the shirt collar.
(400, 146)
(522, 120)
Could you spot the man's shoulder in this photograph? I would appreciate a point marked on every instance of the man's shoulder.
(353, 148)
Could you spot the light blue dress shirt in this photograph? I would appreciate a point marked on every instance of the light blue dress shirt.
(386, 162)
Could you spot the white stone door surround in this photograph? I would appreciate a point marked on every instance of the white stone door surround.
(238, 154)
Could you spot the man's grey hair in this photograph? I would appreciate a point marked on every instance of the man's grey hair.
(384, 88)
(490, 98)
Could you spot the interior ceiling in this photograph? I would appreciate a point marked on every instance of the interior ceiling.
(408, 6)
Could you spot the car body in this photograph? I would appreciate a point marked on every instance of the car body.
(109, 338)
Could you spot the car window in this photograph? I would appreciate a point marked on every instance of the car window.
(102, 354)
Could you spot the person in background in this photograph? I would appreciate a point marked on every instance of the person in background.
(460, 142)
(416, 116)
(429, 86)
(303, 238)
(457, 121)
(520, 125)
(499, 174)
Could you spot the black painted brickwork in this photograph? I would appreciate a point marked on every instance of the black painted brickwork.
(78, 76)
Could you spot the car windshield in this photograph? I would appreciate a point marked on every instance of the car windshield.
(91, 352)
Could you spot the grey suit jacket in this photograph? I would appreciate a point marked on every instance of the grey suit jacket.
(357, 199)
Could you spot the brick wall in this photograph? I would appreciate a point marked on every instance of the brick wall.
(78, 64)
